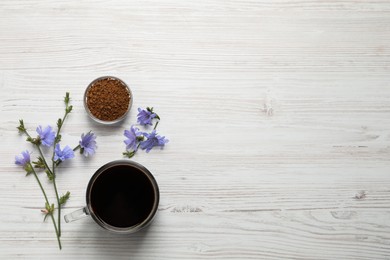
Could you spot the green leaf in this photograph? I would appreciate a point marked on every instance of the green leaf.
(67, 98)
(58, 138)
(59, 122)
(150, 109)
(129, 154)
(57, 162)
(39, 163)
(49, 208)
(49, 175)
(68, 109)
(64, 198)
(36, 141)
(21, 127)
(28, 168)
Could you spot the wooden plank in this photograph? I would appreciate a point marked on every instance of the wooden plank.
(278, 115)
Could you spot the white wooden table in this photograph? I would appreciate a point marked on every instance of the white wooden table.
(278, 115)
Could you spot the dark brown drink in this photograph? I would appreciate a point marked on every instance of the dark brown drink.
(122, 196)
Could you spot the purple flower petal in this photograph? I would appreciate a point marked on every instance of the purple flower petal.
(153, 140)
(46, 135)
(132, 140)
(62, 155)
(23, 159)
(88, 144)
(145, 117)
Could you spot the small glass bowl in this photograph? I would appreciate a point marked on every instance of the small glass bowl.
(112, 122)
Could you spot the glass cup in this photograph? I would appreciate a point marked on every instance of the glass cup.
(122, 197)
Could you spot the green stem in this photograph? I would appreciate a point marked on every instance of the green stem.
(155, 126)
(55, 226)
(58, 202)
(76, 148)
(54, 182)
(40, 184)
(41, 153)
(44, 160)
(47, 201)
(53, 171)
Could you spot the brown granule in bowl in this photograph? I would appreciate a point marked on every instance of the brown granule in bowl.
(108, 98)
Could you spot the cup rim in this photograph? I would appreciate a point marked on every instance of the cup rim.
(97, 119)
(131, 229)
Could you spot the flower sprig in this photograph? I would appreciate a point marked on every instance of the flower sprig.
(46, 136)
(135, 138)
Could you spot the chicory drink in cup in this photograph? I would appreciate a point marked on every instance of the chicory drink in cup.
(122, 197)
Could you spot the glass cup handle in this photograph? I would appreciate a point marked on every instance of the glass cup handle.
(76, 215)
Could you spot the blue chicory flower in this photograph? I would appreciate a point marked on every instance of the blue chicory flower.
(23, 159)
(88, 144)
(145, 117)
(153, 140)
(62, 155)
(131, 141)
(46, 135)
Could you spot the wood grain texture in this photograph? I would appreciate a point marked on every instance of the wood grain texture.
(278, 115)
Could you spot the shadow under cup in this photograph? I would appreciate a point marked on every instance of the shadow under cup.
(122, 196)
